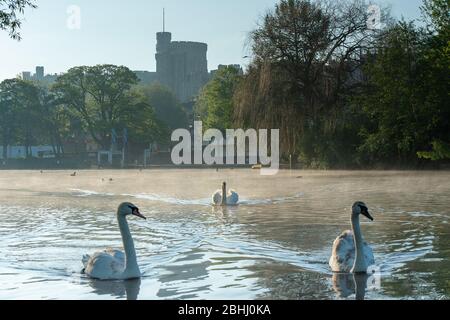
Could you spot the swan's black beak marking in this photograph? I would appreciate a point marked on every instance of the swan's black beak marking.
(135, 212)
(365, 212)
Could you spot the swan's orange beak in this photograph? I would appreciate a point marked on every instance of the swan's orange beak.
(138, 214)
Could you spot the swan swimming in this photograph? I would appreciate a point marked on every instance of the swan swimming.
(221, 198)
(351, 254)
(112, 264)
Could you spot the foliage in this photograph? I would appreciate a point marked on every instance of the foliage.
(344, 96)
(103, 98)
(215, 103)
(9, 11)
(168, 110)
(86, 101)
(440, 151)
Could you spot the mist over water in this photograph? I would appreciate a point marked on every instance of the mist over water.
(275, 245)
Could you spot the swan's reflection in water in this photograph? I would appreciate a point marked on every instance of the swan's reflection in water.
(225, 214)
(345, 285)
(120, 289)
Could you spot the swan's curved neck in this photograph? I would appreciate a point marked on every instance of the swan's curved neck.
(128, 245)
(360, 264)
(224, 194)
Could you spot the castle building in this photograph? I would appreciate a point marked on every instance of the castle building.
(39, 76)
(182, 66)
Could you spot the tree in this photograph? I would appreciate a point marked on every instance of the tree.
(437, 61)
(100, 95)
(55, 120)
(19, 101)
(215, 103)
(168, 109)
(144, 125)
(437, 14)
(440, 151)
(8, 123)
(9, 11)
(306, 55)
(391, 99)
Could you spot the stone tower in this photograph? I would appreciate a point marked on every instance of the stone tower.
(182, 66)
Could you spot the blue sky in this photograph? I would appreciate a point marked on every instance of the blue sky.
(123, 32)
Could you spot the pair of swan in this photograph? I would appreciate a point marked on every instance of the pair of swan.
(350, 253)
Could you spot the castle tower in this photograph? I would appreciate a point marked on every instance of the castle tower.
(181, 66)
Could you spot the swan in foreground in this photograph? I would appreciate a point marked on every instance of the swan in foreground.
(221, 198)
(350, 253)
(112, 264)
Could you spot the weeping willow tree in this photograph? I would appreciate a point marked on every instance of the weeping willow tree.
(265, 99)
(306, 57)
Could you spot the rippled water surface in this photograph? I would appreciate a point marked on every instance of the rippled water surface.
(275, 245)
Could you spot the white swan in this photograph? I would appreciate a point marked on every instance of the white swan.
(112, 264)
(221, 198)
(350, 252)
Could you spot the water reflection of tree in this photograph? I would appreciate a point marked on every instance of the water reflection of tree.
(185, 274)
(428, 277)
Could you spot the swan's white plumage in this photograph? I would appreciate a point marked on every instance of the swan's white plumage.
(106, 265)
(232, 198)
(343, 254)
(217, 197)
(114, 264)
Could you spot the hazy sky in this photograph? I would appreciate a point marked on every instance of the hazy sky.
(123, 32)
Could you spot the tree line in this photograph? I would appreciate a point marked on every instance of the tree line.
(87, 104)
(343, 95)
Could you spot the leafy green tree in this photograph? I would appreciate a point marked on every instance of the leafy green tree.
(440, 151)
(437, 60)
(306, 55)
(55, 121)
(437, 14)
(8, 114)
(100, 95)
(168, 109)
(215, 103)
(144, 125)
(391, 99)
(20, 103)
(9, 15)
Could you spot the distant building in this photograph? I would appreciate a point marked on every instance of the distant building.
(39, 76)
(222, 66)
(182, 66)
(26, 76)
(39, 73)
(146, 76)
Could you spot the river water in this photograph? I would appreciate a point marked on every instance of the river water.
(275, 245)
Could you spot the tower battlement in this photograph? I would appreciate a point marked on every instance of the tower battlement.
(182, 66)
